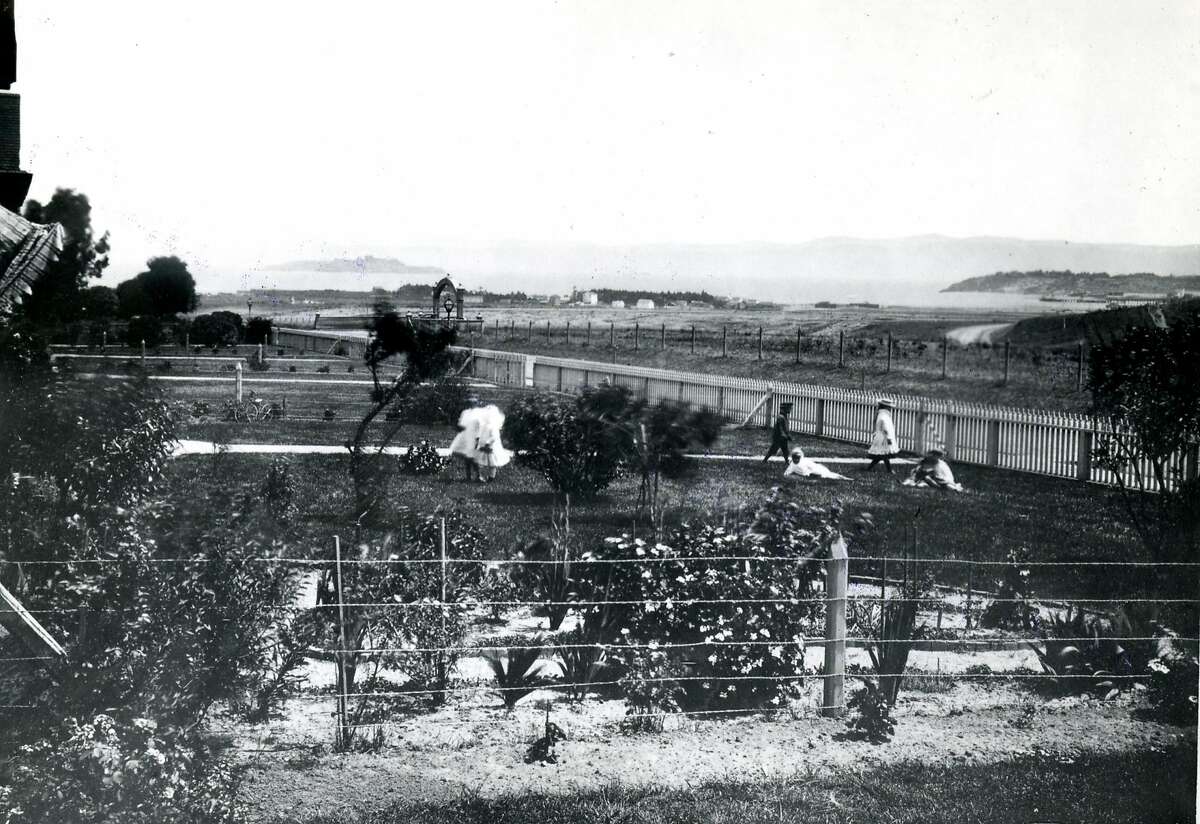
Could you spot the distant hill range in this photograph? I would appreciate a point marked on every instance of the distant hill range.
(366, 264)
(1089, 284)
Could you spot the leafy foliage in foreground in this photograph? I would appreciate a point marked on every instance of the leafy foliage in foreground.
(689, 593)
(871, 714)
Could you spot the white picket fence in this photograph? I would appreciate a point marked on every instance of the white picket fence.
(1026, 440)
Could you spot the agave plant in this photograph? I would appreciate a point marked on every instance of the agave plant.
(517, 665)
(1086, 653)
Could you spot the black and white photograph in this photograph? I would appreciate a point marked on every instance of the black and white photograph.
(555, 411)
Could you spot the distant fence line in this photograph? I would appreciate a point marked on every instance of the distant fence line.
(1002, 361)
(1044, 442)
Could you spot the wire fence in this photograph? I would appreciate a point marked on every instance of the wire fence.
(833, 621)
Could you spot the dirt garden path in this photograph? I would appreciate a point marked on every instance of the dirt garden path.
(186, 447)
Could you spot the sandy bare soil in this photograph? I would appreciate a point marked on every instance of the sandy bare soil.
(473, 745)
(970, 724)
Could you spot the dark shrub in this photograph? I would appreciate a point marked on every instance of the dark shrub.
(145, 328)
(568, 440)
(258, 330)
(216, 329)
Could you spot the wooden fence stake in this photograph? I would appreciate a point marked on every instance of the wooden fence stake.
(441, 666)
(589, 335)
(841, 349)
(1079, 370)
(693, 338)
(612, 336)
(547, 331)
(724, 341)
(568, 333)
(237, 381)
(103, 341)
(1006, 356)
(663, 342)
(798, 344)
(636, 335)
(888, 368)
(836, 581)
(143, 350)
(945, 350)
(343, 687)
(760, 343)
(531, 331)
(970, 586)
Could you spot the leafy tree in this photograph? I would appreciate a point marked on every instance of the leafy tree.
(144, 328)
(100, 303)
(1143, 385)
(161, 610)
(427, 357)
(55, 296)
(165, 288)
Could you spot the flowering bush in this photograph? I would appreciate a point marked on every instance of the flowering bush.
(125, 773)
(423, 459)
(743, 621)
(1173, 680)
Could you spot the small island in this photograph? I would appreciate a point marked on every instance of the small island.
(1056, 284)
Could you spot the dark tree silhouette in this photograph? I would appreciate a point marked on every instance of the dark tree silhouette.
(55, 296)
(165, 288)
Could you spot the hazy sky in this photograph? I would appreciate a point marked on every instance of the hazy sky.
(240, 133)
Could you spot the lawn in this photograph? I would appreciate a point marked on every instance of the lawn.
(1059, 520)
(1149, 787)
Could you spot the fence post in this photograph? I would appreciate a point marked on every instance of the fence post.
(945, 348)
(260, 354)
(888, 368)
(835, 629)
(1007, 345)
(951, 436)
(568, 333)
(724, 340)
(547, 332)
(343, 687)
(103, 341)
(441, 665)
(237, 381)
(721, 401)
(143, 350)
(760, 343)
(560, 370)
(841, 349)
(531, 331)
(820, 425)
(1079, 370)
(497, 329)
(636, 334)
(663, 342)
(797, 344)
(992, 458)
(922, 433)
(1083, 462)
(693, 338)
(612, 336)
(589, 335)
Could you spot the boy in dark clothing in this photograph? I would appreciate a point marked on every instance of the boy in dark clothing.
(781, 439)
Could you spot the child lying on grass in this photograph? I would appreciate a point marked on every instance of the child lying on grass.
(802, 467)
